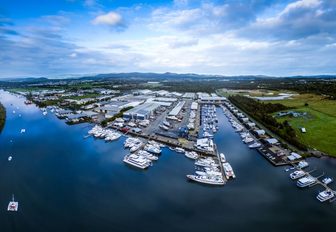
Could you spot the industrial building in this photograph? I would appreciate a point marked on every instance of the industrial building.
(141, 112)
(177, 109)
(189, 95)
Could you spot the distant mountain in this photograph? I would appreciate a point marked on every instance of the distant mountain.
(168, 76)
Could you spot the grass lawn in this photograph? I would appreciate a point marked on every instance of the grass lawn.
(320, 121)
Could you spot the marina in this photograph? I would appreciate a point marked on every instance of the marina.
(96, 173)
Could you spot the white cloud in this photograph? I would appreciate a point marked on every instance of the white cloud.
(110, 19)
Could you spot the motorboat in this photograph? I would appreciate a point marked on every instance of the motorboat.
(179, 149)
(147, 155)
(325, 195)
(303, 164)
(23, 130)
(10, 158)
(13, 205)
(205, 179)
(222, 157)
(248, 140)
(136, 147)
(306, 181)
(327, 180)
(191, 155)
(297, 174)
(255, 145)
(152, 149)
(137, 161)
(228, 171)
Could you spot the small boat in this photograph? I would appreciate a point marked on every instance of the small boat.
(13, 205)
(23, 131)
(325, 195)
(303, 164)
(179, 149)
(10, 158)
(297, 174)
(327, 180)
(255, 145)
(222, 157)
(45, 113)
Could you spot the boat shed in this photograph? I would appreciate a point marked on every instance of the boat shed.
(176, 110)
(141, 112)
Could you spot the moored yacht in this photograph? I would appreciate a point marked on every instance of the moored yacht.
(303, 164)
(152, 149)
(205, 179)
(222, 157)
(327, 180)
(325, 195)
(137, 161)
(191, 155)
(306, 181)
(297, 174)
(10, 158)
(255, 145)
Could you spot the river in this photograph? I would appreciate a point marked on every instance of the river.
(64, 182)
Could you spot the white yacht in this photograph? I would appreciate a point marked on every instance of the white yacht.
(248, 139)
(45, 113)
(205, 162)
(297, 174)
(222, 157)
(255, 145)
(303, 164)
(213, 180)
(179, 149)
(228, 171)
(152, 149)
(23, 130)
(13, 205)
(327, 180)
(10, 158)
(191, 155)
(306, 181)
(137, 161)
(136, 147)
(325, 195)
(147, 155)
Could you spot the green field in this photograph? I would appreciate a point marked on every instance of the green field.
(320, 121)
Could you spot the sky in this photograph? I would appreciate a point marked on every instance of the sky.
(227, 37)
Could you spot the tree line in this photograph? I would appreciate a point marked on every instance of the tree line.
(2, 116)
(261, 112)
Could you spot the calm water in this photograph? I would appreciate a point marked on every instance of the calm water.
(64, 182)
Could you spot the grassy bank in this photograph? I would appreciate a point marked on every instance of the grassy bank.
(320, 121)
(2, 116)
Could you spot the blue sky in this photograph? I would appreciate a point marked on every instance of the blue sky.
(235, 37)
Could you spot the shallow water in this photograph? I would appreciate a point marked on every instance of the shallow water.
(64, 182)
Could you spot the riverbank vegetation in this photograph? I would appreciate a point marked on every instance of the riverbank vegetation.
(2, 116)
(262, 112)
